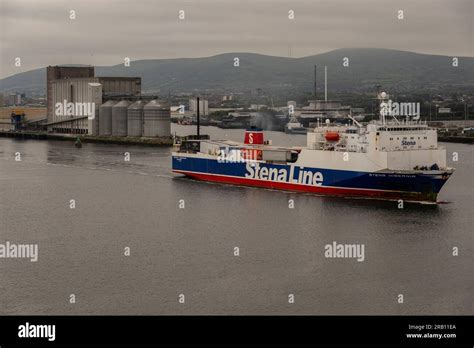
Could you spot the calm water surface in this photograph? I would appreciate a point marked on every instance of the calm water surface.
(190, 251)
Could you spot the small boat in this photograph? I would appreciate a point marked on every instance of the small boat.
(295, 127)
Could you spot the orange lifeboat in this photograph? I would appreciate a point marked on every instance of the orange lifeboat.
(332, 136)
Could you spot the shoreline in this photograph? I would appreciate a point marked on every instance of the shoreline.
(456, 139)
(157, 141)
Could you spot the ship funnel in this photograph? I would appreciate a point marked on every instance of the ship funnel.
(253, 136)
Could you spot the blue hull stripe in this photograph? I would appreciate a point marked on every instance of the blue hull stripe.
(408, 183)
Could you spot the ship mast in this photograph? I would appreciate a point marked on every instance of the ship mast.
(385, 105)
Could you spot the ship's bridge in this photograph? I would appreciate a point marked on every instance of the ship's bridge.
(402, 137)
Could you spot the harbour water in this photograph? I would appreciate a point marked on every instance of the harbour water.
(183, 236)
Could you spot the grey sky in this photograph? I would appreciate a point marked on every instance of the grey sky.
(105, 31)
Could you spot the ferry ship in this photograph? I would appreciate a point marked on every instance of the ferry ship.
(386, 159)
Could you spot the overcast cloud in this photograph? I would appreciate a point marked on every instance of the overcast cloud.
(105, 31)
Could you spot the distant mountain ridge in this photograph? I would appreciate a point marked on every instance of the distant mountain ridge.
(395, 70)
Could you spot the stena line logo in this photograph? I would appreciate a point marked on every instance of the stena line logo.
(304, 177)
(408, 142)
(251, 138)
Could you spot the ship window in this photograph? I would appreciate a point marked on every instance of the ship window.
(192, 146)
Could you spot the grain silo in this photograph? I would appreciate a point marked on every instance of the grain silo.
(135, 119)
(119, 118)
(156, 119)
(105, 118)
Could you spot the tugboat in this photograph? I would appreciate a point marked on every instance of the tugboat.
(295, 127)
(386, 159)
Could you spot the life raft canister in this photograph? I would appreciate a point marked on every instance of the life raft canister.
(332, 136)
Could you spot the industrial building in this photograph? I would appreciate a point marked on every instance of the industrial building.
(327, 109)
(79, 86)
(83, 92)
(203, 107)
(156, 119)
(102, 105)
(143, 116)
(15, 99)
(63, 72)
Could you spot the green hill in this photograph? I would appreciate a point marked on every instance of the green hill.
(397, 71)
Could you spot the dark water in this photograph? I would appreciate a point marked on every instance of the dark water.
(190, 251)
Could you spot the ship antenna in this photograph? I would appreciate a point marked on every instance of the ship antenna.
(384, 108)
